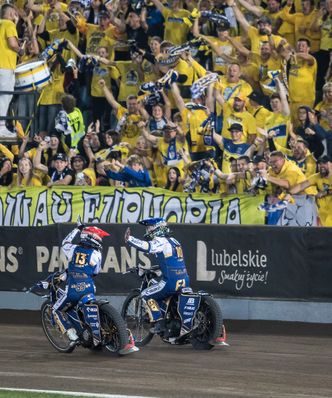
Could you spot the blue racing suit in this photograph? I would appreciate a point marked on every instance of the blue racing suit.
(84, 263)
(174, 273)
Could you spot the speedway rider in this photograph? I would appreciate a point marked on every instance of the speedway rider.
(84, 263)
(171, 262)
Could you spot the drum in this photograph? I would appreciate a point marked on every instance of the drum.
(32, 76)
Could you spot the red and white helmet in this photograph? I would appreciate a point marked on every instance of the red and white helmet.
(93, 237)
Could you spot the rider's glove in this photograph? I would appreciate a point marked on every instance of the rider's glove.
(80, 225)
(140, 271)
(43, 284)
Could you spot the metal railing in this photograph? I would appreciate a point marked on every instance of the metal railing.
(29, 118)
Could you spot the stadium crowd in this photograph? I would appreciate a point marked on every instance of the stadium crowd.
(214, 96)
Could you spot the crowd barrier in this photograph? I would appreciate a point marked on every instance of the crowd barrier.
(228, 261)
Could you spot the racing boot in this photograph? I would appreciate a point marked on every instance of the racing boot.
(159, 327)
(73, 337)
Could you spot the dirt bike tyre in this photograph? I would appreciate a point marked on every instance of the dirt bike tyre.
(209, 319)
(52, 332)
(138, 323)
(113, 324)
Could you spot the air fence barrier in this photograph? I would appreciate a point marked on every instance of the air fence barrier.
(255, 272)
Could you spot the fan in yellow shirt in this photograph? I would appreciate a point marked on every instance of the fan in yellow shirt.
(302, 77)
(129, 118)
(283, 174)
(176, 30)
(323, 182)
(302, 22)
(103, 34)
(26, 175)
(262, 33)
(235, 112)
(222, 48)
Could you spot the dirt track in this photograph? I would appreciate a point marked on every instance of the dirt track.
(263, 360)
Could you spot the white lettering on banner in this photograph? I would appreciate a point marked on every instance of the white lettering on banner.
(233, 212)
(17, 212)
(8, 260)
(131, 208)
(91, 204)
(65, 200)
(215, 206)
(147, 200)
(244, 269)
(108, 204)
(173, 209)
(202, 272)
(41, 217)
(50, 262)
(55, 260)
(196, 211)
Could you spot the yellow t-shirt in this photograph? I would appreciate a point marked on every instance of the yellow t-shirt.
(302, 82)
(130, 81)
(53, 92)
(290, 172)
(168, 157)
(127, 126)
(219, 63)
(280, 124)
(247, 121)
(260, 114)
(191, 121)
(176, 30)
(95, 38)
(52, 21)
(8, 57)
(326, 29)
(263, 67)
(302, 24)
(102, 72)
(149, 71)
(57, 34)
(34, 182)
(256, 39)
(325, 203)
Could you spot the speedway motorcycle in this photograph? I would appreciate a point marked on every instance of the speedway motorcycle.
(115, 337)
(190, 318)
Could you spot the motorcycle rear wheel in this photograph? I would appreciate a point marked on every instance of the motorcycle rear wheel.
(209, 323)
(136, 315)
(52, 331)
(113, 328)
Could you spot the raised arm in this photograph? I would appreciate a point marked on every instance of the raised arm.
(149, 137)
(258, 11)
(285, 110)
(159, 5)
(177, 97)
(109, 96)
(240, 17)
(37, 164)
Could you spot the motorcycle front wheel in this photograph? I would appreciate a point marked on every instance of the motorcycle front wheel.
(52, 331)
(136, 315)
(207, 324)
(113, 328)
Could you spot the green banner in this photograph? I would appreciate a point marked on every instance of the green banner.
(43, 206)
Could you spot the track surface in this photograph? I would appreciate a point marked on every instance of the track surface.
(264, 360)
